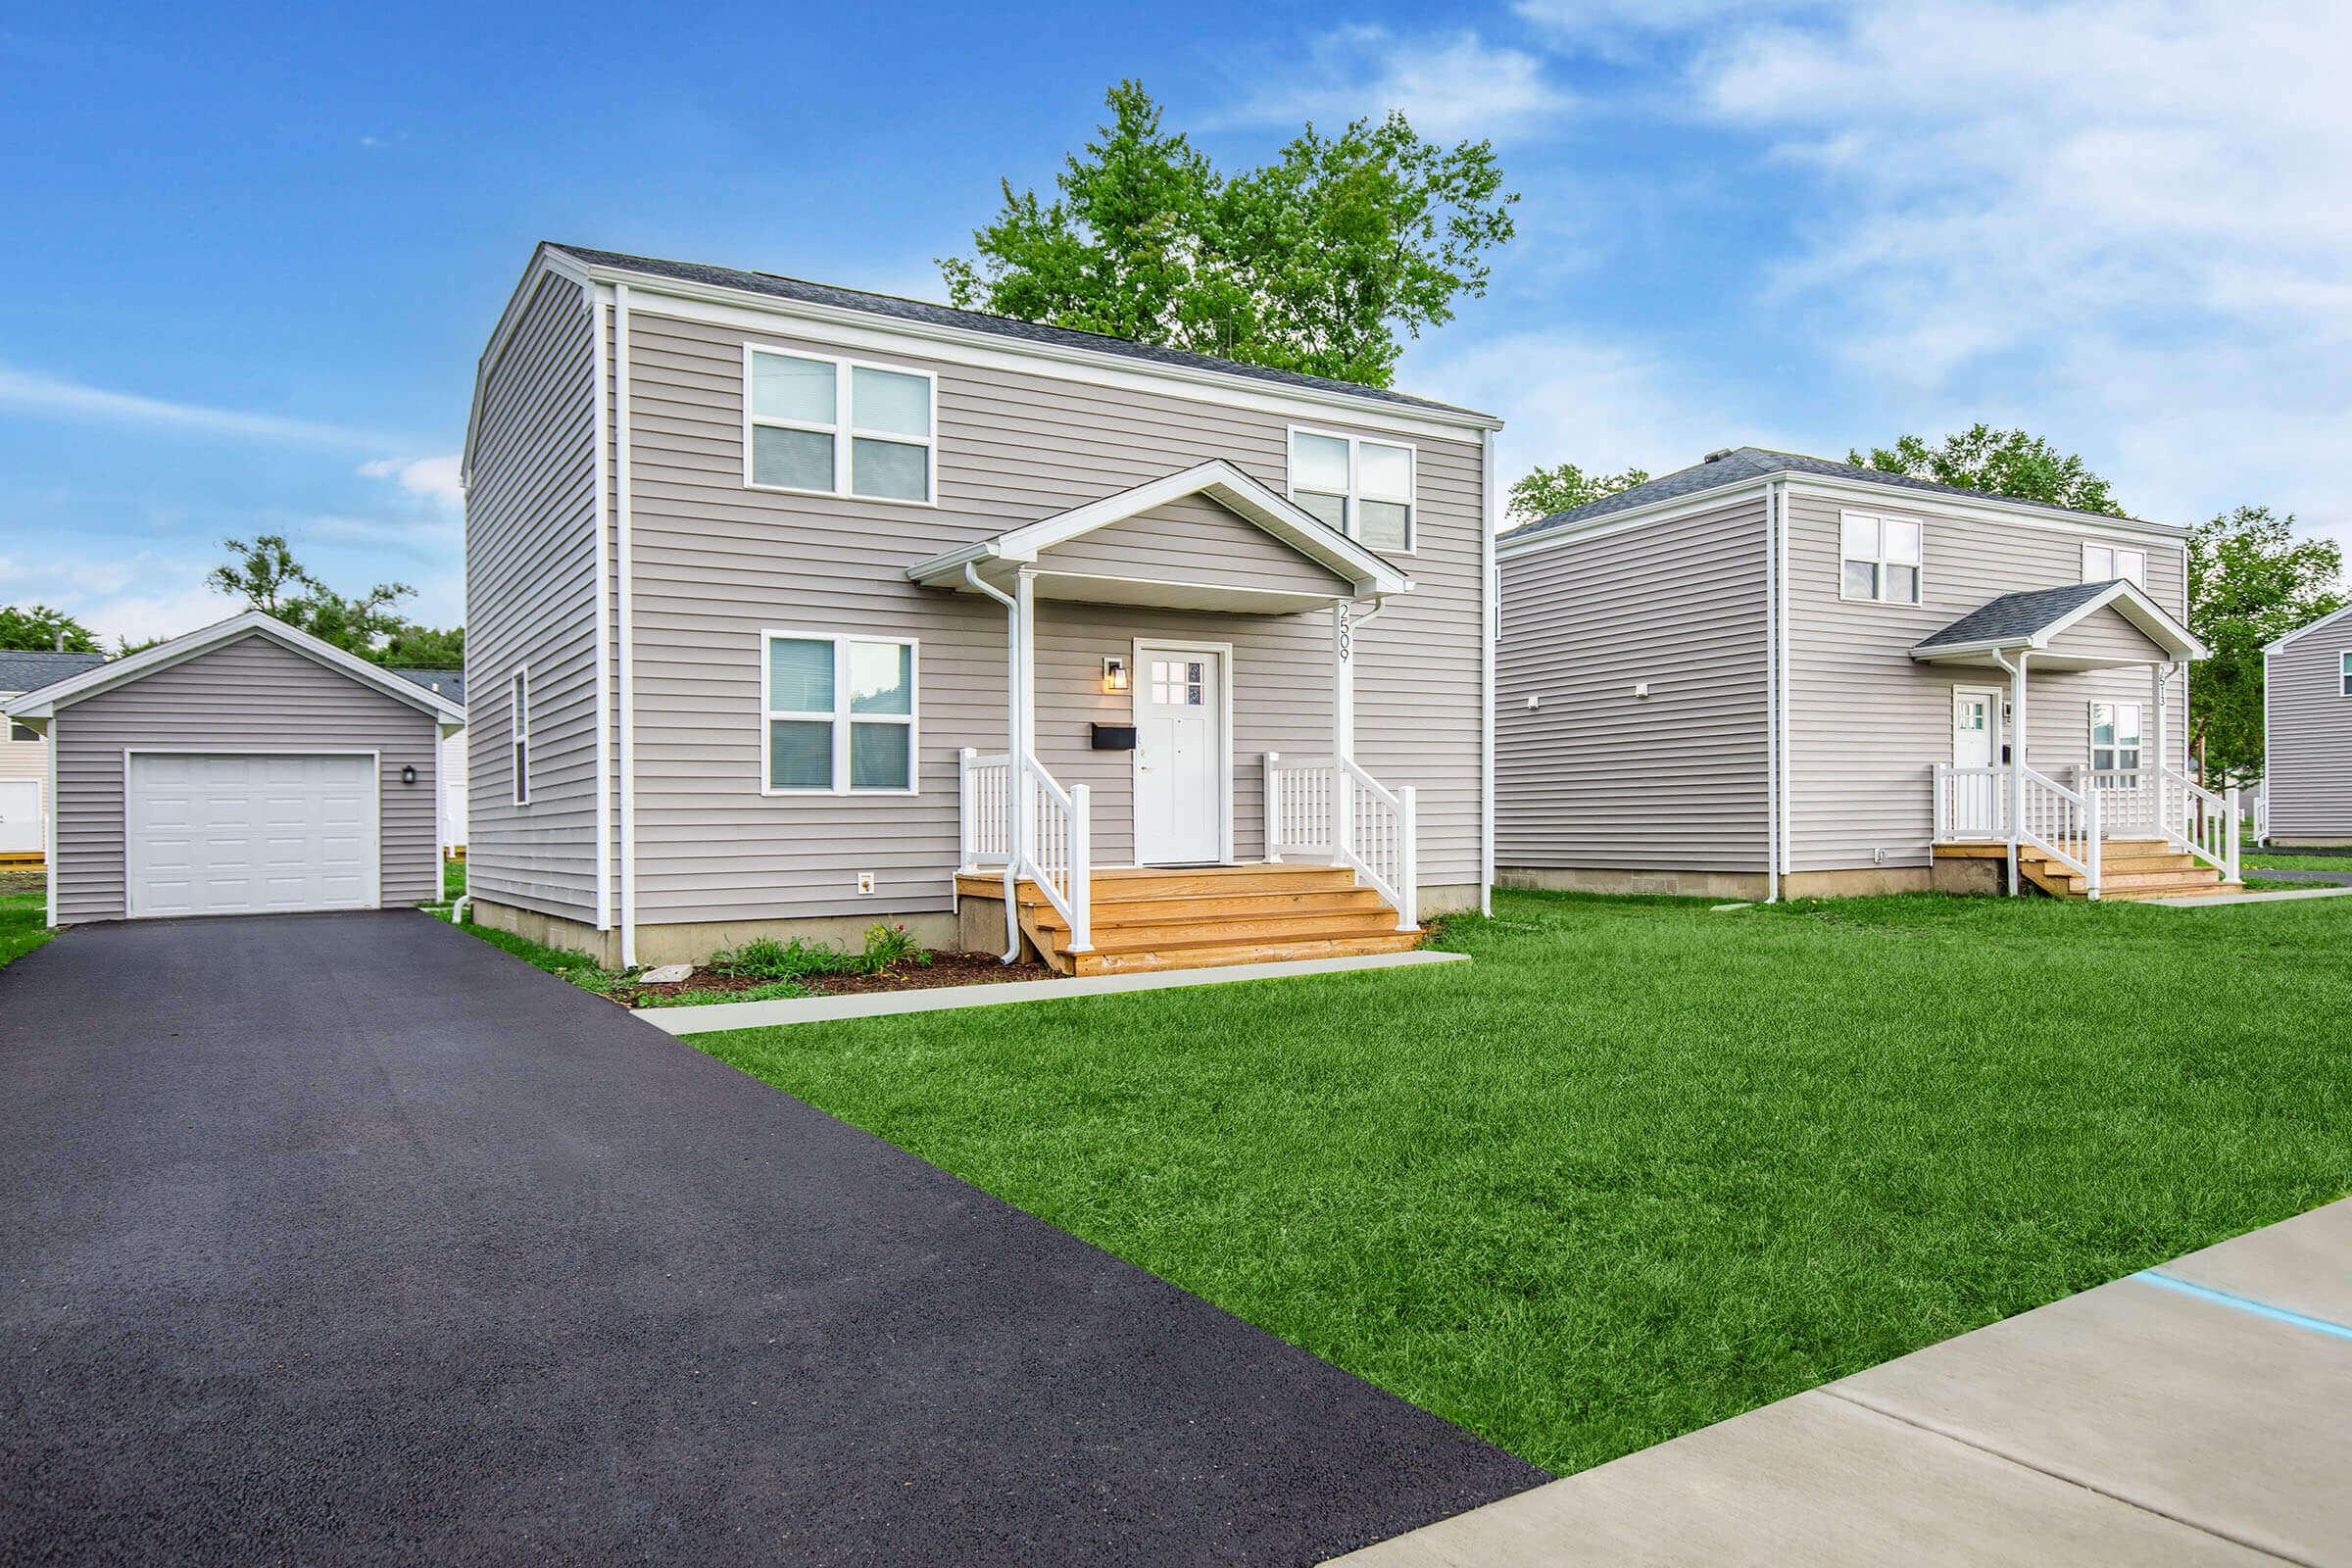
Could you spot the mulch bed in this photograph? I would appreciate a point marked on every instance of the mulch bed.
(944, 969)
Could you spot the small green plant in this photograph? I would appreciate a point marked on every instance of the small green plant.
(766, 958)
(885, 945)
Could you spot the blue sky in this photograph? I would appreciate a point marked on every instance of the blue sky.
(255, 250)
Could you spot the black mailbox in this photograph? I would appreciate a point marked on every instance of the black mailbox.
(1114, 737)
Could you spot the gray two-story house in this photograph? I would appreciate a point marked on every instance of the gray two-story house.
(2307, 733)
(794, 610)
(1770, 676)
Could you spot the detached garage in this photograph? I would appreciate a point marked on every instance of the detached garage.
(247, 769)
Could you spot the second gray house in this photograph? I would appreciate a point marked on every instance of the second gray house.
(1770, 675)
(794, 610)
(2307, 733)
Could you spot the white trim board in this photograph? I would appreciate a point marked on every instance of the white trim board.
(724, 1015)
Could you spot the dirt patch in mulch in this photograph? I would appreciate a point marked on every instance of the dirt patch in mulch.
(944, 969)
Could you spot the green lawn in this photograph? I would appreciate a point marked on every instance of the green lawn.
(1643, 1166)
(21, 917)
(2282, 860)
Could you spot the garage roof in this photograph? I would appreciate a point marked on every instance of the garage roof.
(44, 702)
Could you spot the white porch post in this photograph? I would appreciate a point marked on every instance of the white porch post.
(2158, 678)
(1343, 735)
(2016, 764)
(1017, 777)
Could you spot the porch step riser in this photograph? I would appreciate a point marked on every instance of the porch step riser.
(1176, 933)
(1196, 958)
(1362, 904)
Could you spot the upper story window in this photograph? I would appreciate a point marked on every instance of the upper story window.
(840, 715)
(834, 428)
(2115, 737)
(2107, 563)
(519, 720)
(2343, 684)
(1363, 487)
(1880, 557)
(20, 732)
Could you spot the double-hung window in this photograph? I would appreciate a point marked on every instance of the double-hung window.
(2115, 737)
(2108, 563)
(839, 715)
(1364, 488)
(1878, 559)
(519, 719)
(2344, 676)
(835, 427)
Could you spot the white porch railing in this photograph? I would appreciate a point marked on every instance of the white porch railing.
(2128, 799)
(1331, 807)
(2201, 821)
(1971, 802)
(2061, 823)
(1054, 828)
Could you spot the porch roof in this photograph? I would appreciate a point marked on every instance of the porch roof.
(2032, 622)
(1356, 572)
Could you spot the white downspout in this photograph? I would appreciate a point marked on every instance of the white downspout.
(1016, 782)
(598, 314)
(1786, 684)
(1491, 630)
(623, 540)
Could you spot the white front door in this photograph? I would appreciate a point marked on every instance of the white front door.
(1179, 755)
(251, 833)
(1976, 744)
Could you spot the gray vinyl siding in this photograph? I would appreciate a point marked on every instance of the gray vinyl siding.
(1595, 776)
(246, 694)
(715, 562)
(530, 595)
(2309, 765)
(1191, 540)
(1867, 724)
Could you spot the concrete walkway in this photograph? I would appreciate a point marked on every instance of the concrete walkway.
(2197, 1413)
(719, 1015)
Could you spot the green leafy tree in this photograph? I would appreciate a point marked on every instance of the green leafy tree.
(415, 647)
(1319, 262)
(1540, 492)
(2250, 582)
(24, 627)
(2001, 463)
(267, 577)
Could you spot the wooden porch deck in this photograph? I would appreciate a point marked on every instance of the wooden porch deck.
(2130, 869)
(1147, 917)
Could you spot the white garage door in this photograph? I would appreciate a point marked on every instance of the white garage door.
(218, 833)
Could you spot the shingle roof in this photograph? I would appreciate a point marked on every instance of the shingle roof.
(2015, 617)
(849, 299)
(1755, 463)
(25, 671)
(450, 683)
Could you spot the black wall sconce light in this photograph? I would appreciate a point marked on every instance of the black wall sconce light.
(408, 773)
(1114, 674)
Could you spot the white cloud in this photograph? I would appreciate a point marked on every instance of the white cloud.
(434, 478)
(139, 597)
(2132, 221)
(1449, 85)
(36, 393)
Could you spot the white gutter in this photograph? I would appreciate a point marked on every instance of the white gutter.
(624, 539)
(1489, 631)
(1015, 780)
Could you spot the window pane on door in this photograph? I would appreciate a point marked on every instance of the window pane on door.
(796, 460)
(800, 675)
(800, 754)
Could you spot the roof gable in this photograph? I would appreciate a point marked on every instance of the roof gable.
(1365, 572)
(61, 693)
(2034, 620)
(2332, 617)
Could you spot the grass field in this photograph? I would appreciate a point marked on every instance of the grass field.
(21, 917)
(1643, 1166)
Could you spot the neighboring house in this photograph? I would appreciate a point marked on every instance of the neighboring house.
(2307, 733)
(450, 684)
(781, 597)
(247, 769)
(24, 754)
(1773, 675)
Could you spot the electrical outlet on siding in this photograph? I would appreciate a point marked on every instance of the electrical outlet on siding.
(866, 881)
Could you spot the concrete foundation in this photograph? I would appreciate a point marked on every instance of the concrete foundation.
(1608, 879)
(690, 941)
(1952, 874)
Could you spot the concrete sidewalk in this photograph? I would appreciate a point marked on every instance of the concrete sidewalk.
(2196, 1413)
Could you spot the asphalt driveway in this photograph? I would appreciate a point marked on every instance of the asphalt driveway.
(348, 1237)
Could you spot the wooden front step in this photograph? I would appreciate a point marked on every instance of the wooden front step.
(1195, 916)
